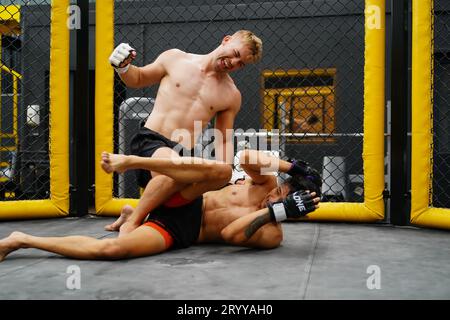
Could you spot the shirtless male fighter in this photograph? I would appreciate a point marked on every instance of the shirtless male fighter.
(193, 88)
(246, 214)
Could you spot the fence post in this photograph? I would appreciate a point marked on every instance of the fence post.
(80, 120)
(399, 102)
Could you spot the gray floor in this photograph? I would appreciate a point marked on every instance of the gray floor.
(316, 261)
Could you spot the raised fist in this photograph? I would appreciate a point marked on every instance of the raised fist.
(121, 57)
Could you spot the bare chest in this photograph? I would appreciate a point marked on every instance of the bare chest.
(243, 196)
(204, 93)
(231, 203)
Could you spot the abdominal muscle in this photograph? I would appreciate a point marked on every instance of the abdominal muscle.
(182, 121)
(170, 126)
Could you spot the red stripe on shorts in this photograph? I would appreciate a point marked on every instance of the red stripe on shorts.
(166, 235)
(177, 200)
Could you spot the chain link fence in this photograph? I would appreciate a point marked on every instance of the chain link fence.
(24, 83)
(308, 85)
(441, 102)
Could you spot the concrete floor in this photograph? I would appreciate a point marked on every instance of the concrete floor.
(315, 261)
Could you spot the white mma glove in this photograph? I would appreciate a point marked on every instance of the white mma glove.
(121, 57)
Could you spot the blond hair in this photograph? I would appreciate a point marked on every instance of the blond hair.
(252, 41)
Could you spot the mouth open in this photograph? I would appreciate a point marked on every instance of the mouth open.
(225, 64)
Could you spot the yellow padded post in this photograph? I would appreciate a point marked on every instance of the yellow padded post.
(58, 204)
(105, 204)
(422, 212)
(373, 145)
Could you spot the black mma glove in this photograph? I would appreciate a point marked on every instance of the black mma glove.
(302, 168)
(296, 205)
(299, 167)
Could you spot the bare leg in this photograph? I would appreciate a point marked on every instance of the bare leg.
(190, 192)
(158, 190)
(171, 174)
(182, 169)
(143, 241)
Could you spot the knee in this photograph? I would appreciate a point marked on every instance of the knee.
(165, 179)
(169, 184)
(111, 249)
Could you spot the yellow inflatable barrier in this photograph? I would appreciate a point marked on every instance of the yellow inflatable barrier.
(105, 204)
(373, 144)
(422, 212)
(58, 204)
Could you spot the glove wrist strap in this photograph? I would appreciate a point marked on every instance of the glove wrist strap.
(279, 212)
(122, 70)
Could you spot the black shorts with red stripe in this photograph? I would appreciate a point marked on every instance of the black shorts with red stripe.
(180, 218)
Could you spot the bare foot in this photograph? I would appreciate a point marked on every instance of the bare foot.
(112, 162)
(126, 212)
(10, 244)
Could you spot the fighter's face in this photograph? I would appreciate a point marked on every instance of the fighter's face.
(234, 55)
(277, 194)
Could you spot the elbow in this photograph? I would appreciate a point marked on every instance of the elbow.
(250, 157)
(273, 240)
(243, 157)
(227, 234)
